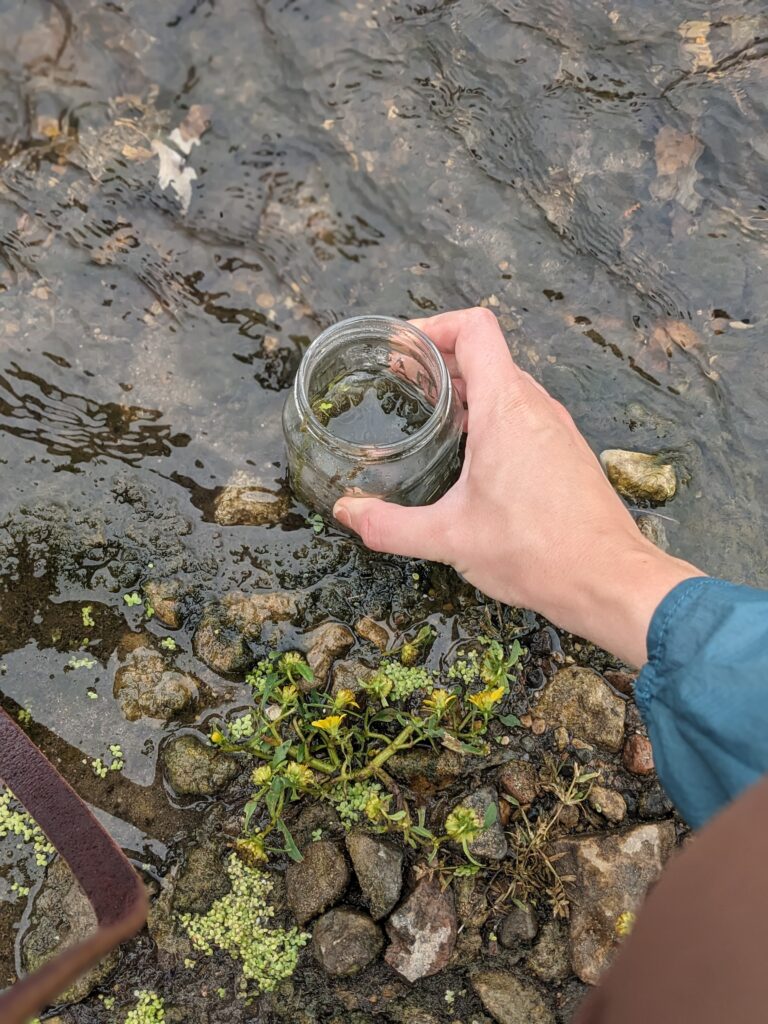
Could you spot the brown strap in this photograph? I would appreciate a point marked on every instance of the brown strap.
(115, 891)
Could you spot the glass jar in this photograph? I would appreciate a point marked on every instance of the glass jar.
(414, 470)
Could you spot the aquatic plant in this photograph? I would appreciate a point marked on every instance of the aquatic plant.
(149, 1009)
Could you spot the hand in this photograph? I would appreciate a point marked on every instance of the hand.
(532, 521)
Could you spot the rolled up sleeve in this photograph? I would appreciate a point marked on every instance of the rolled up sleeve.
(704, 693)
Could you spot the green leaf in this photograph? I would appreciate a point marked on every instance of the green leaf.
(290, 844)
(280, 753)
(515, 652)
(250, 810)
(424, 833)
(132, 600)
(510, 720)
(491, 814)
(397, 816)
(305, 671)
(273, 796)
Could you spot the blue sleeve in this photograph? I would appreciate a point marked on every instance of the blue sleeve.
(704, 693)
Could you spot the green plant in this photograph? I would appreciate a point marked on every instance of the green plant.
(316, 521)
(133, 600)
(149, 1009)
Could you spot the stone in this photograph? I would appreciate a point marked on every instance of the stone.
(653, 529)
(611, 873)
(520, 925)
(624, 682)
(203, 879)
(491, 844)
(472, 908)
(350, 674)
(510, 999)
(422, 931)
(609, 803)
(244, 502)
(61, 917)
(145, 688)
(569, 817)
(550, 958)
(639, 476)
(324, 645)
(520, 780)
(654, 803)
(249, 613)
(165, 597)
(373, 632)
(378, 865)
(345, 941)
(425, 770)
(225, 627)
(318, 881)
(638, 755)
(194, 768)
(581, 701)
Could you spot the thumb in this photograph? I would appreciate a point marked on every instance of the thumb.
(383, 526)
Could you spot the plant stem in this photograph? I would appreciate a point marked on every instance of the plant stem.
(400, 742)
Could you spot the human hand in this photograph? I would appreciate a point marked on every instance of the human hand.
(532, 520)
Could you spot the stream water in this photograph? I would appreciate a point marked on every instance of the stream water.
(191, 190)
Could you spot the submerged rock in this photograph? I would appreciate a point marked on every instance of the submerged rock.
(581, 700)
(324, 645)
(654, 530)
(520, 925)
(378, 865)
(511, 1000)
(345, 941)
(422, 932)
(316, 882)
(165, 597)
(608, 802)
(62, 917)
(225, 628)
(195, 769)
(350, 674)
(202, 880)
(373, 632)
(638, 476)
(144, 687)
(491, 844)
(244, 502)
(611, 874)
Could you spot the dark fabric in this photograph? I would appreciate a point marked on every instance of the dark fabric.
(698, 953)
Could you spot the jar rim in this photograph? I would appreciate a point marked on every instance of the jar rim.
(411, 443)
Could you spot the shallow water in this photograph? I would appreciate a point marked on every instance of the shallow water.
(594, 172)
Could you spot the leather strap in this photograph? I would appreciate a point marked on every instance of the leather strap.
(113, 888)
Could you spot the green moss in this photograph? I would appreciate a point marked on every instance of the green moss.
(239, 924)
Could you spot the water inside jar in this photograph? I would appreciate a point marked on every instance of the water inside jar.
(374, 408)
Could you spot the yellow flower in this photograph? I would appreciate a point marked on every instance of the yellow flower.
(331, 724)
(344, 699)
(299, 775)
(624, 922)
(262, 776)
(288, 694)
(485, 700)
(217, 736)
(376, 807)
(439, 701)
(251, 851)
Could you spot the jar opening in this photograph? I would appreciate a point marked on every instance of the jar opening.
(374, 345)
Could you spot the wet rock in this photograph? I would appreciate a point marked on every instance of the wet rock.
(62, 917)
(318, 881)
(350, 674)
(472, 907)
(624, 682)
(581, 700)
(195, 769)
(520, 925)
(202, 880)
(244, 502)
(144, 687)
(511, 1000)
(378, 865)
(609, 803)
(324, 645)
(491, 844)
(221, 638)
(550, 958)
(519, 779)
(611, 874)
(249, 613)
(638, 476)
(425, 770)
(422, 932)
(315, 819)
(165, 597)
(638, 755)
(654, 530)
(373, 632)
(345, 941)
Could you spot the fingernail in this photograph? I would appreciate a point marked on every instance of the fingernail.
(341, 515)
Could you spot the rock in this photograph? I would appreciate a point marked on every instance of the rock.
(425, 770)
(165, 597)
(654, 803)
(472, 908)
(144, 687)
(202, 880)
(422, 931)
(638, 755)
(319, 819)
(491, 844)
(249, 613)
(569, 817)
(511, 1000)
(324, 645)
(520, 925)
(62, 917)
(195, 769)
(373, 632)
(624, 682)
(520, 780)
(581, 700)
(378, 865)
(611, 874)
(345, 941)
(550, 958)
(318, 881)
(608, 802)
(221, 638)
(653, 529)
(248, 503)
(350, 674)
(638, 476)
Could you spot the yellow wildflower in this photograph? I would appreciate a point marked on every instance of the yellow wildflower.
(217, 736)
(486, 699)
(331, 724)
(344, 699)
(251, 851)
(262, 775)
(289, 694)
(299, 775)
(439, 701)
(463, 824)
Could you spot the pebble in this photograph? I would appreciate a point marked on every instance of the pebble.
(609, 803)
(520, 925)
(581, 701)
(638, 755)
(165, 597)
(373, 632)
(511, 999)
(378, 865)
(194, 768)
(345, 941)
(324, 645)
(422, 931)
(145, 688)
(318, 881)
(639, 476)
(550, 958)
(520, 780)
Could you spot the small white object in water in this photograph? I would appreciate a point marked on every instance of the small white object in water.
(174, 172)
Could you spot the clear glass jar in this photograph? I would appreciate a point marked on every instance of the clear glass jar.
(415, 470)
